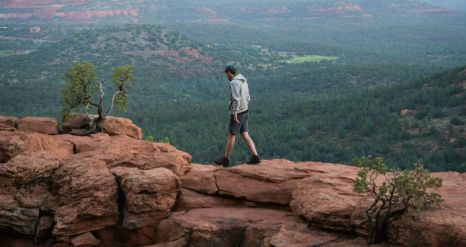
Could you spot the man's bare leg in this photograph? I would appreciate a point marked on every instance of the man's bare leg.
(230, 146)
(249, 143)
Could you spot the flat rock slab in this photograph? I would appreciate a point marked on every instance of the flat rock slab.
(43, 125)
(23, 142)
(120, 191)
(231, 226)
(122, 126)
(322, 193)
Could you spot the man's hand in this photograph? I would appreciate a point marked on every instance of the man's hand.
(235, 118)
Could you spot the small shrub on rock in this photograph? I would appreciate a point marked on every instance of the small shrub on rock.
(395, 192)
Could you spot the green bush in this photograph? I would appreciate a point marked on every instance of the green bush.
(81, 85)
(399, 191)
(149, 138)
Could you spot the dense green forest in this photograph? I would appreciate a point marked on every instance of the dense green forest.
(333, 129)
(311, 108)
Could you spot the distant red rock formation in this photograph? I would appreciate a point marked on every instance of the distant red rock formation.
(342, 9)
(48, 9)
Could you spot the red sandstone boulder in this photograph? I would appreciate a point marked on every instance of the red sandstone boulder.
(9, 121)
(76, 122)
(123, 151)
(320, 192)
(13, 216)
(330, 203)
(201, 178)
(78, 182)
(84, 192)
(94, 142)
(20, 142)
(30, 169)
(86, 196)
(326, 197)
(146, 161)
(270, 182)
(234, 184)
(122, 126)
(111, 125)
(149, 195)
(275, 171)
(87, 239)
(43, 125)
(243, 227)
(24, 181)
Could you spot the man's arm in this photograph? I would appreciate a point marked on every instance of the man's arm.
(236, 97)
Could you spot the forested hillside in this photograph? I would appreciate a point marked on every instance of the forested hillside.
(168, 65)
(421, 120)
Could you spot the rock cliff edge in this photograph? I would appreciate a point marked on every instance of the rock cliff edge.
(118, 190)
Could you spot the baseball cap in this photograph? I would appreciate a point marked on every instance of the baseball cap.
(230, 68)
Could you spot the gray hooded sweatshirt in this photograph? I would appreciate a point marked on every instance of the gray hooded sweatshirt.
(239, 94)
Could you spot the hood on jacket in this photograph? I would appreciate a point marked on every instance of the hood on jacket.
(239, 77)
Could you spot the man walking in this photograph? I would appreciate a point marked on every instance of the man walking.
(238, 123)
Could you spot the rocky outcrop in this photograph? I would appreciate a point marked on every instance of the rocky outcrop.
(122, 126)
(75, 122)
(103, 190)
(43, 125)
(149, 195)
(20, 142)
(85, 196)
(323, 195)
(226, 226)
(9, 121)
(69, 189)
(327, 199)
(24, 193)
(112, 125)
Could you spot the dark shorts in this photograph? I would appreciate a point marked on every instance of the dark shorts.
(242, 126)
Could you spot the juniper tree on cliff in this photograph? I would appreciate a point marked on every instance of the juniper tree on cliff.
(394, 194)
(81, 87)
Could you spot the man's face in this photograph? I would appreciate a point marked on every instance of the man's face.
(229, 75)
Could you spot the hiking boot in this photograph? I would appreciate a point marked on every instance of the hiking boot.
(223, 161)
(254, 160)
